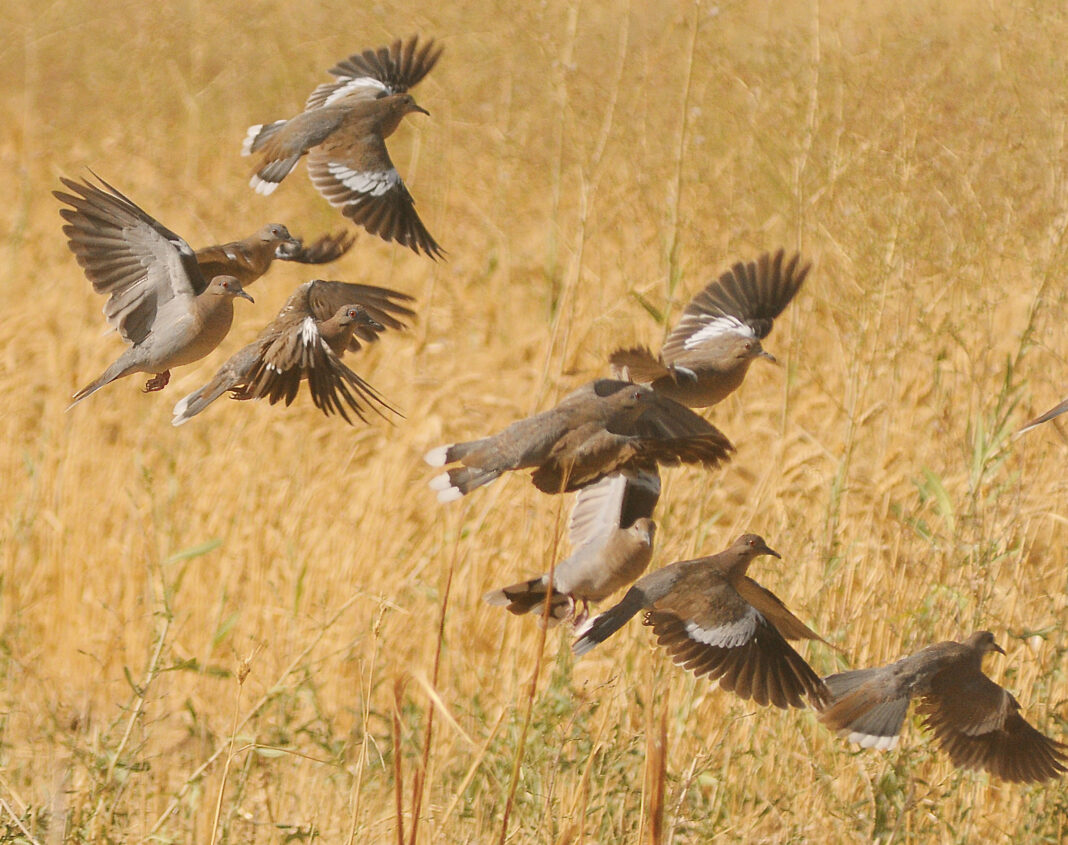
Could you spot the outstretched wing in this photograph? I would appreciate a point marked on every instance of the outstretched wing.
(743, 301)
(128, 255)
(378, 73)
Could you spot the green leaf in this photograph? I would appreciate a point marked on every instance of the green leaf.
(194, 551)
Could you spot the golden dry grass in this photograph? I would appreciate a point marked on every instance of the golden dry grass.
(581, 159)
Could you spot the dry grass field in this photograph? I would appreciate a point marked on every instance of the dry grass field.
(248, 628)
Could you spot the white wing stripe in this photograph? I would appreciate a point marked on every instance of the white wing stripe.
(309, 332)
(717, 327)
(732, 635)
(370, 86)
(880, 743)
(374, 183)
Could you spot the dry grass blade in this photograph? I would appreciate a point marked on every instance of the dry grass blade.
(653, 791)
(590, 167)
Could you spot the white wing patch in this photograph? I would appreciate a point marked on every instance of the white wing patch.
(879, 743)
(309, 332)
(732, 635)
(718, 327)
(366, 85)
(374, 183)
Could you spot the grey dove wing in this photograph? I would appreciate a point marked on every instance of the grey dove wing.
(129, 256)
(363, 182)
(377, 73)
(616, 501)
(744, 300)
(596, 511)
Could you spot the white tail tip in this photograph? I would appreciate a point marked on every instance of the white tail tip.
(250, 139)
(438, 457)
(261, 186)
(581, 645)
(450, 495)
(446, 491)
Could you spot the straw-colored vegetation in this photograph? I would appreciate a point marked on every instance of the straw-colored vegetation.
(247, 628)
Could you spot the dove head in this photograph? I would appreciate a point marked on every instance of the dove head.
(753, 545)
(349, 315)
(625, 399)
(276, 233)
(983, 642)
(645, 528)
(228, 286)
(406, 104)
(394, 108)
(747, 348)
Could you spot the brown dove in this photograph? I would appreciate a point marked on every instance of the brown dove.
(594, 431)
(250, 258)
(719, 623)
(706, 356)
(343, 130)
(611, 532)
(158, 299)
(305, 342)
(974, 720)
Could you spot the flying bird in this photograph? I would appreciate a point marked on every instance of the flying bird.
(319, 322)
(343, 130)
(706, 356)
(611, 532)
(719, 623)
(594, 431)
(159, 301)
(974, 720)
(251, 257)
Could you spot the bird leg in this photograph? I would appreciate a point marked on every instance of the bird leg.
(578, 618)
(158, 381)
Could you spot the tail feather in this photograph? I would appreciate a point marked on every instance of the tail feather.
(117, 370)
(258, 135)
(529, 597)
(272, 169)
(863, 710)
(1046, 417)
(189, 406)
(459, 481)
(637, 364)
(601, 627)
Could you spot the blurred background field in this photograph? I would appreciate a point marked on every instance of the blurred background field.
(247, 627)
